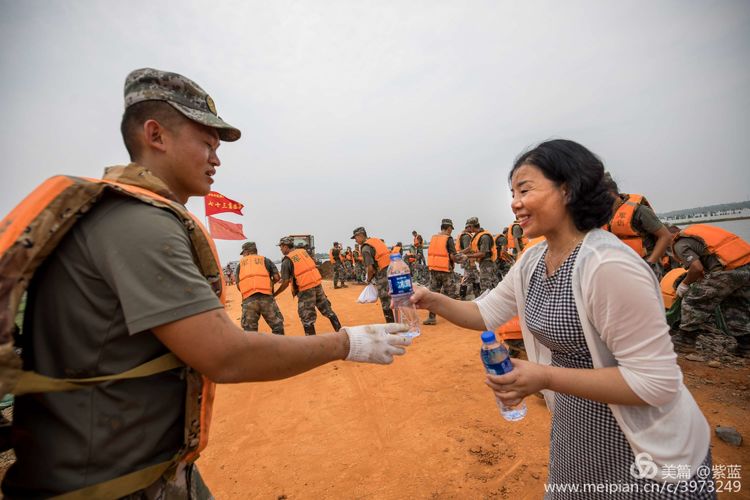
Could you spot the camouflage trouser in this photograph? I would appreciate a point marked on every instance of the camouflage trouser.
(487, 276)
(730, 290)
(471, 275)
(187, 483)
(359, 271)
(258, 305)
(338, 273)
(348, 270)
(501, 269)
(381, 283)
(308, 300)
(445, 283)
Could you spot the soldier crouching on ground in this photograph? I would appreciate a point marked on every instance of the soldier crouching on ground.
(255, 278)
(718, 277)
(299, 269)
(131, 282)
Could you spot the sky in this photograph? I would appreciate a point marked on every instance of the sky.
(389, 114)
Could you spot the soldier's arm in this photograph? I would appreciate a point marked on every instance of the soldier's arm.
(663, 240)
(282, 287)
(694, 272)
(231, 355)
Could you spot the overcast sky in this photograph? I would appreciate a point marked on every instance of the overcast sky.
(390, 114)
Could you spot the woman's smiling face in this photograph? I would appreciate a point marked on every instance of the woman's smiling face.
(538, 203)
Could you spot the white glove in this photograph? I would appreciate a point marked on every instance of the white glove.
(375, 344)
(682, 289)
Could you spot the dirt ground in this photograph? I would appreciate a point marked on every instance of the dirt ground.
(423, 427)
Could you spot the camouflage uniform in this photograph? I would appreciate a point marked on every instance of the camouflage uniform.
(257, 305)
(487, 268)
(348, 271)
(338, 274)
(310, 299)
(381, 283)
(728, 289)
(470, 279)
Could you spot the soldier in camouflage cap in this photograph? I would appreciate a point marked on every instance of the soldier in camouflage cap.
(154, 288)
(441, 258)
(255, 278)
(183, 94)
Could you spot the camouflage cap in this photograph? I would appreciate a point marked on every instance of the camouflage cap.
(472, 221)
(448, 222)
(359, 230)
(249, 246)
(183, 94)
(286, 240)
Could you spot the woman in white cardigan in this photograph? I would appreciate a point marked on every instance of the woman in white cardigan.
(596, 336)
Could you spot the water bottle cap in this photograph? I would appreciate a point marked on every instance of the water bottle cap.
(488, 337)
(395, 256)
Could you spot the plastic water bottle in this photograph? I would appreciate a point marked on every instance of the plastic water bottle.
(497, 362)
(400, 289)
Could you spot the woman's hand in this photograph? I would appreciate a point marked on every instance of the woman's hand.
(526, 378)
(423, 298)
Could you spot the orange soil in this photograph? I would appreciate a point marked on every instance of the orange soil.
(424, 427)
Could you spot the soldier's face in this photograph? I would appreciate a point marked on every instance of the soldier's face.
(193, 159)
(359, 238)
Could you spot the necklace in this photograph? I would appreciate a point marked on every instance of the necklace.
(553, 263)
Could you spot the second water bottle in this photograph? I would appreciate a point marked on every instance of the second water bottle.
(400, 289)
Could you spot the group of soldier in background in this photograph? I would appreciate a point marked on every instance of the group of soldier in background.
(707, 267)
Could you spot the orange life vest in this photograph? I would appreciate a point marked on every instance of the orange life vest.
(396, 250)
(731, 250)
(475, 245)
(437, 254)
(348, 256)
(512, 240)
(669, 287)
(409, 257)
(510, 330)
(254, 277)
(382, 255)
(306, 274)
(32, 230)
(621, 223)
(458, 241)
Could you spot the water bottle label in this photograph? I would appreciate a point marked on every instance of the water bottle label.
(500, 368)
(400, 284)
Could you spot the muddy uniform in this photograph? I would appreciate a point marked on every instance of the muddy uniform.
(471, 276)
(338, 267)
(728, 288)
(308, 300)
(487, 273)
(261, 304)
(380, 280)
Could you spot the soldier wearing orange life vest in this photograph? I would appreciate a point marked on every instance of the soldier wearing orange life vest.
(718, 274)
(418, 246)
(299, 269)
(131, 291)
(336, 258)
(441, 257)
(359, 266)
(483, 249)
(471, 274)
(255, 277)
(635, 223)
(376, 259)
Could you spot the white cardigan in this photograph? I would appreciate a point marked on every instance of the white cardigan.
(622, 314)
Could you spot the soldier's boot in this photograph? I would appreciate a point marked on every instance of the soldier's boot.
(684, 342)
(743, 346)
(477, 290)
(344, 285)
(309, 329)
(430, 320)
(462, 292)
(335, 323)
(389, 316)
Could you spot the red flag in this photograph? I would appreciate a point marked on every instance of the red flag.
(217, 203)
(223, 230)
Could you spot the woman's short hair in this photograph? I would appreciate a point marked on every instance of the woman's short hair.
(566, 162)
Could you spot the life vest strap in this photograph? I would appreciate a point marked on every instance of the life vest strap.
(32, 382)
